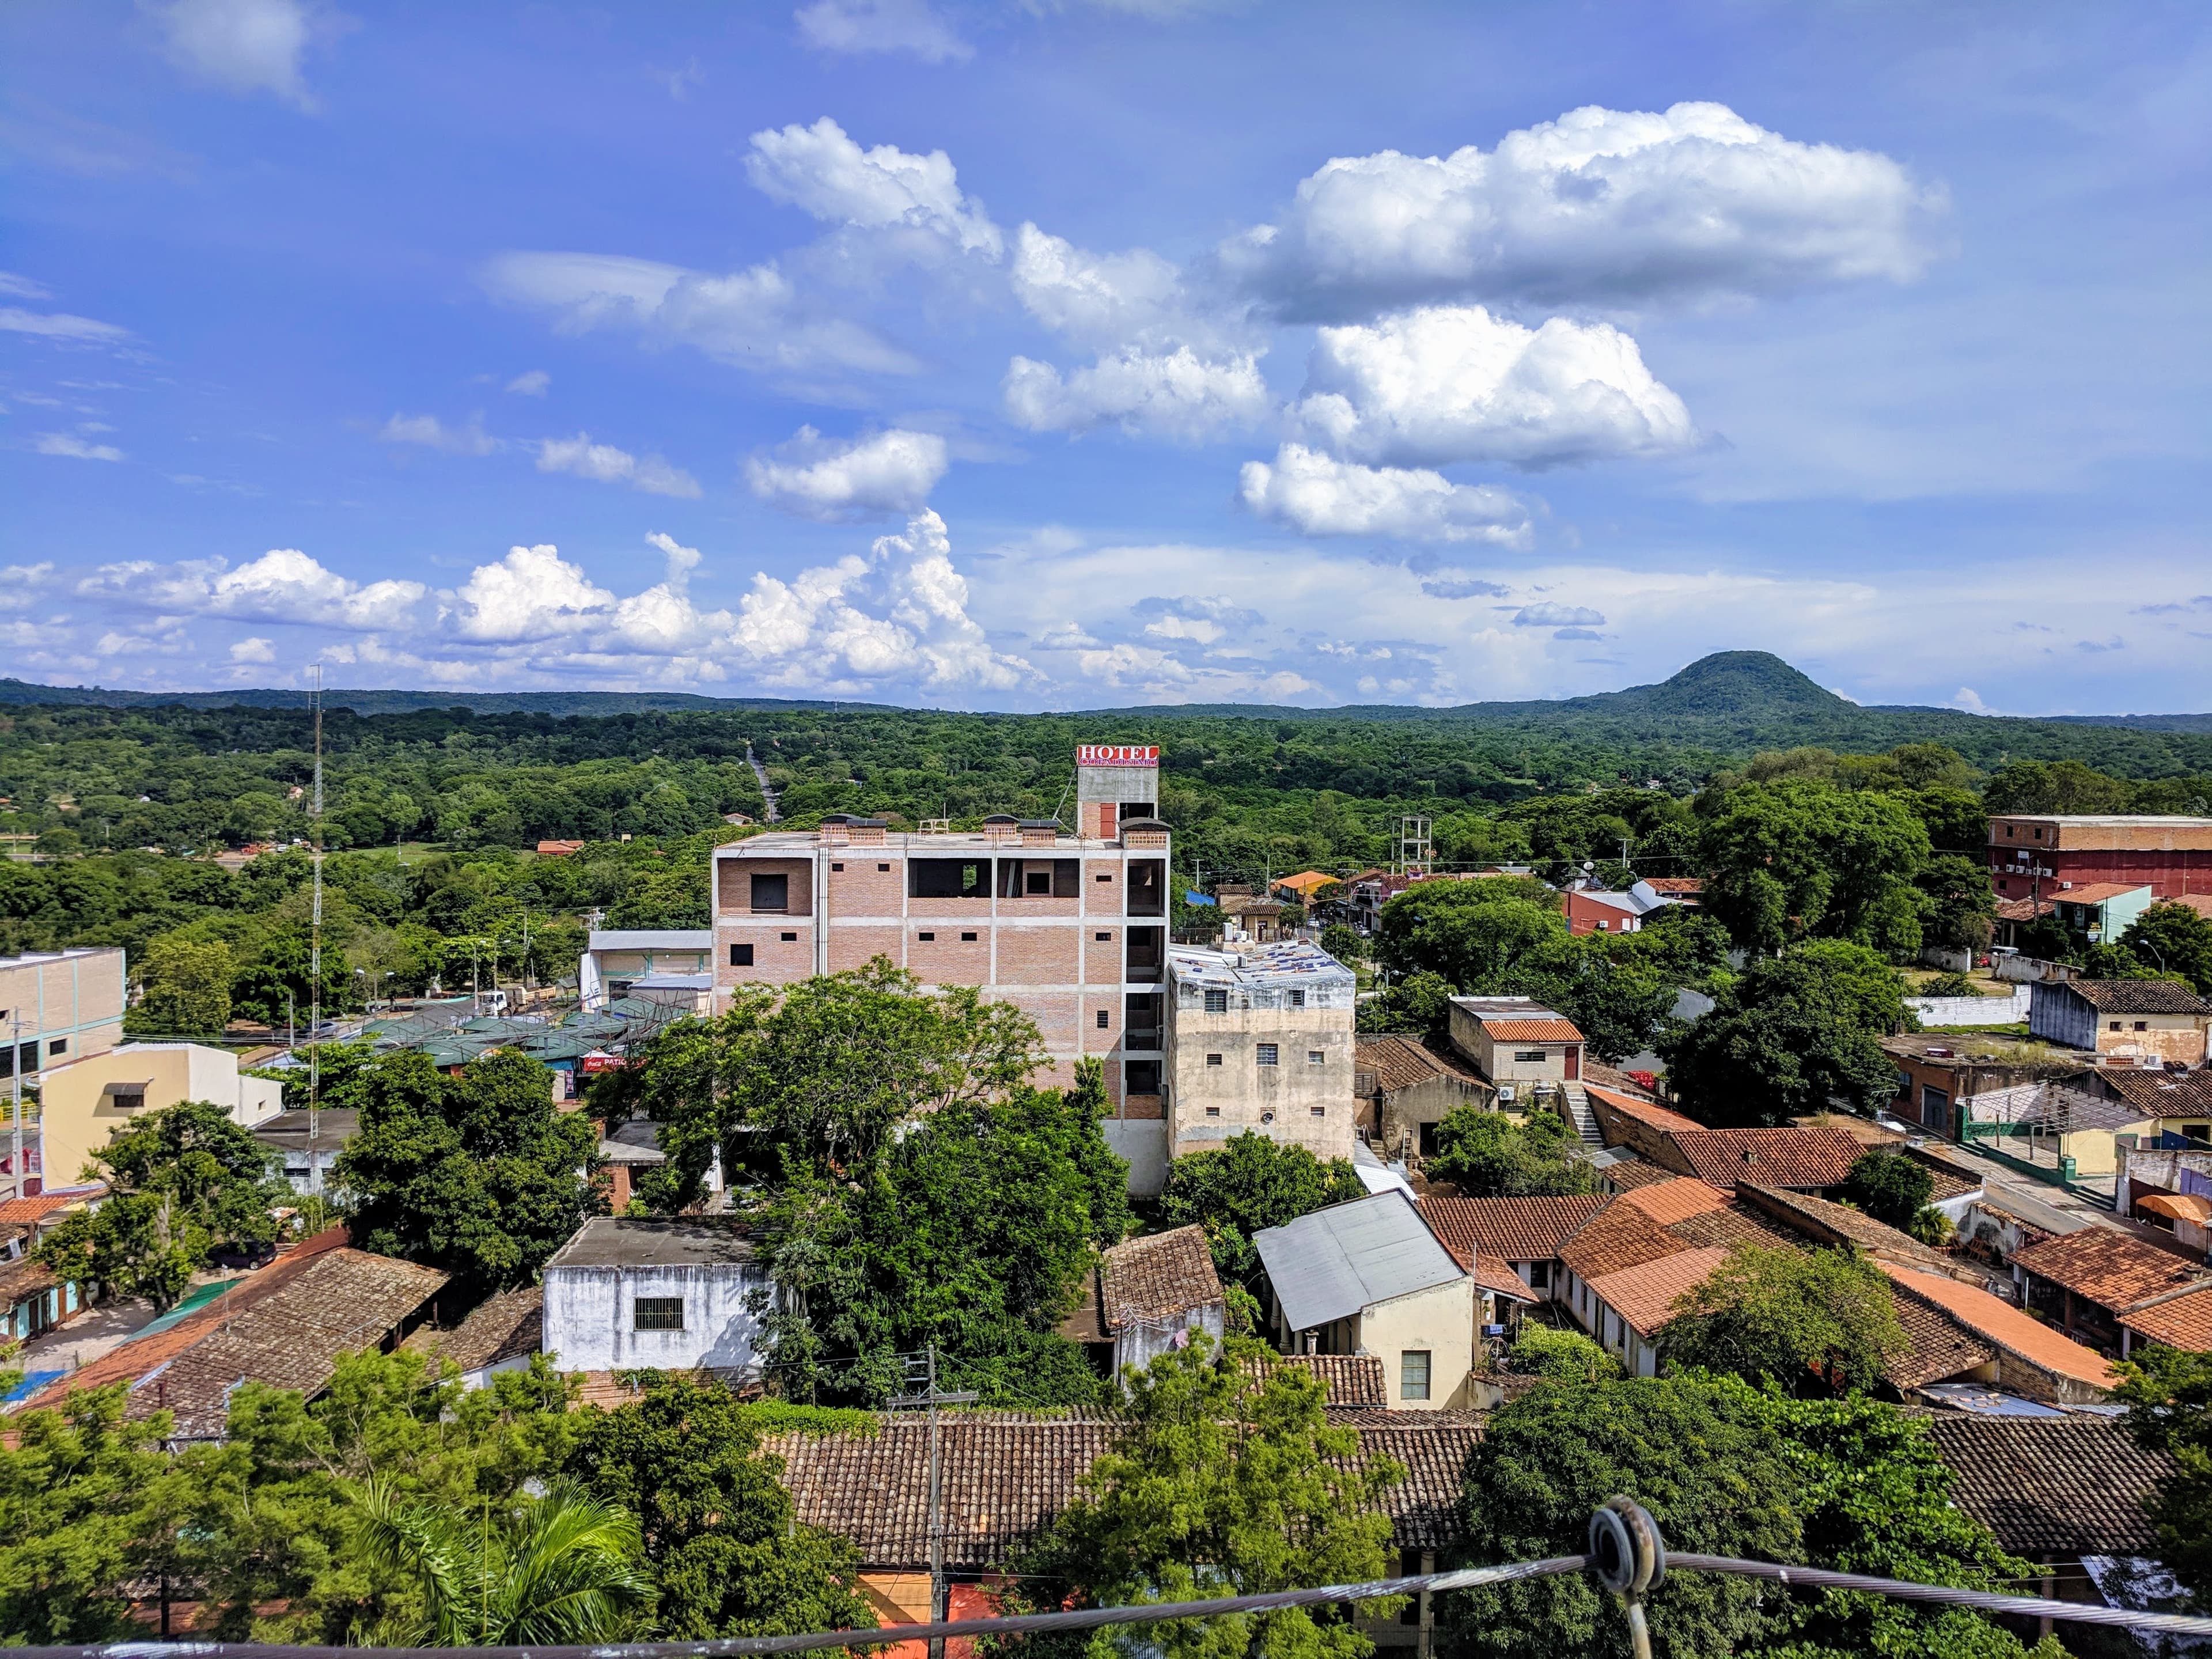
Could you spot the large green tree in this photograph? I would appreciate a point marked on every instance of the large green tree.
(728, 1555)
(1797, 859)
(1250, 1184)
(185, 1181)
(1227, 1478)
(2169, 1397)
(1892, 1187)
(474, 1173)
(1725, 1469)
(1486, 1154)
(1791, 1035)
(1782, 1315)
(185, 986)
(2173, 939)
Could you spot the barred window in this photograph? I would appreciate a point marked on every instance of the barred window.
(659, 1313)
(1266, 1053)
(1216, 1002)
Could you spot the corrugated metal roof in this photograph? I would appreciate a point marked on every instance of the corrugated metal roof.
(1332, 1263)
(653, 939)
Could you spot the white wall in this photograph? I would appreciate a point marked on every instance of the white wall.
(1142, 1143)
(1972, 1010)
(591, 1318)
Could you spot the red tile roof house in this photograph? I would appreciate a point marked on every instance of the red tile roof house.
(2090, 1283)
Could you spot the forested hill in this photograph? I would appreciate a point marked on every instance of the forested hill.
(1720, 709)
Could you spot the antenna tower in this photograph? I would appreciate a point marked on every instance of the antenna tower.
(1413, 858)
(315, 942)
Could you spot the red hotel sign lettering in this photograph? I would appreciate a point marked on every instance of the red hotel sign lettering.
(1117, 753)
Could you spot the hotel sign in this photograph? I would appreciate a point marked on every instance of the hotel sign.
(1117, 753)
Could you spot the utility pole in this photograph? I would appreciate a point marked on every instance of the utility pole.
(15, 1071)
(315, 941)
(932, 1398)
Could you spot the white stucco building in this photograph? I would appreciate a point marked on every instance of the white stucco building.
(625, 1294)
(1260, 1042)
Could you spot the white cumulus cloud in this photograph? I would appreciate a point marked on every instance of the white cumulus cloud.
(822, 171)
(1453, 383)
(604, 463)
(69, 444)
(248, 45)
(1319, 496)
(891, 471)
(754, 318)
(282, 585)
(531, 384)
(533, 593)
(1177, 393)
(898, 617)
(855, 26)
(1599, 206)
(433, 433)
(254, 650)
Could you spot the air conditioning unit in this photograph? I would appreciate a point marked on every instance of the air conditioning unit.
(1506, 1094)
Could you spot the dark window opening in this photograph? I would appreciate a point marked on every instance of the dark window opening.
(771, 892)
(1040, 877)
(948, 879)
(1140, 1020)
(1216, 1002)
(1214, 1060)
(839, 868)
(788, 939)
(1138, 809)
(1146, 953)
(1103, 939)
(659, 1313)
(932, 938)
(741, 956)
(1036, 883)
(1143, 1076)
(60, 1046)
(1428, 1140)
(1106, 876)
(882, 869)
(966, 938)
(1105, 1019)
(1148, 887)
(1298, 999)
(1268, 1053)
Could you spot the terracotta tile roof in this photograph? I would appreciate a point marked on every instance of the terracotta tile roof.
(2200, 902)
(2070, 1485)
(2003, 1326)
(2162, 1093)
(2023, 909)
(2138, 996)
(2108, 1267)
(23, 1212)
(1732, 1225)
(1507, 1228)
(1645, 1294)
(1531, 1030)
(1306, 881)
(1157, 1277)
(1936, 1348)
(2179, 1321)
(1669, 1201)
(1354, 1381)
(1643, 1111)
(1597, 1074)
(1619, 1236)
(1401, 1062)
(1825, 1223)
(1633, 1172)
(504, 1327)
(343, 1300)
(1675, 884)
(23, 1277)
(1773, 1157)
(1007, 1476)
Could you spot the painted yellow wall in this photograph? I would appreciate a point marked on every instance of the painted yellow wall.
(1441, 1318)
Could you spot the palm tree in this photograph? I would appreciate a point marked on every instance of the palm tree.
(562, 1568)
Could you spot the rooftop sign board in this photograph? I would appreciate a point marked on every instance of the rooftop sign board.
(1117, 753)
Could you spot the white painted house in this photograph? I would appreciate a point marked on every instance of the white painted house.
(625, 1294)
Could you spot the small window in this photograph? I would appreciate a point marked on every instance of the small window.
(928, 938)
(1103, 939)
(2116, 1025)
(1316, 1057)
(882, 869)
(1298, 999)
(741, 956)
(1105, 1020)
(1267, 1054)
(1216, 1002)
(1106, 877)
(1318, 1111)
(60, 1046)
(659, 1313)
(132, 1101)
(1601, 927)
(966, 938)
(2142, 1025)
(771, 892)
(2039, 834)
(788, 939)
(1213, 1111)
(1539, 1275)
(291, 1173)
(1214, 1060)
(1530, 1056)
(1414, 1374)
(839, 868)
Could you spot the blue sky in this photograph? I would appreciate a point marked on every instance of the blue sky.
(989, 355)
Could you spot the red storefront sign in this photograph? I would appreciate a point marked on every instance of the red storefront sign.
(597, 1061)
(1117, 753)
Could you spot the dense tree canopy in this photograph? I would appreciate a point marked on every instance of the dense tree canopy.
(1780, 1315)
(1792, 1034)
(1487, 1154)
(475, 1173)
(1725, 1470)
(1251, 1184)
(2169, 1396)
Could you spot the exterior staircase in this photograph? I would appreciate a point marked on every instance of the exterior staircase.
(1576, 1101)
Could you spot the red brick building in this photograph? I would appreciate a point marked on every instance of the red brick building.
(2043, 856)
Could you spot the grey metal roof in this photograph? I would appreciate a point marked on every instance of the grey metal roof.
(1332, 1263)
(1289, 962)
(614, 1240)
(652, 938)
